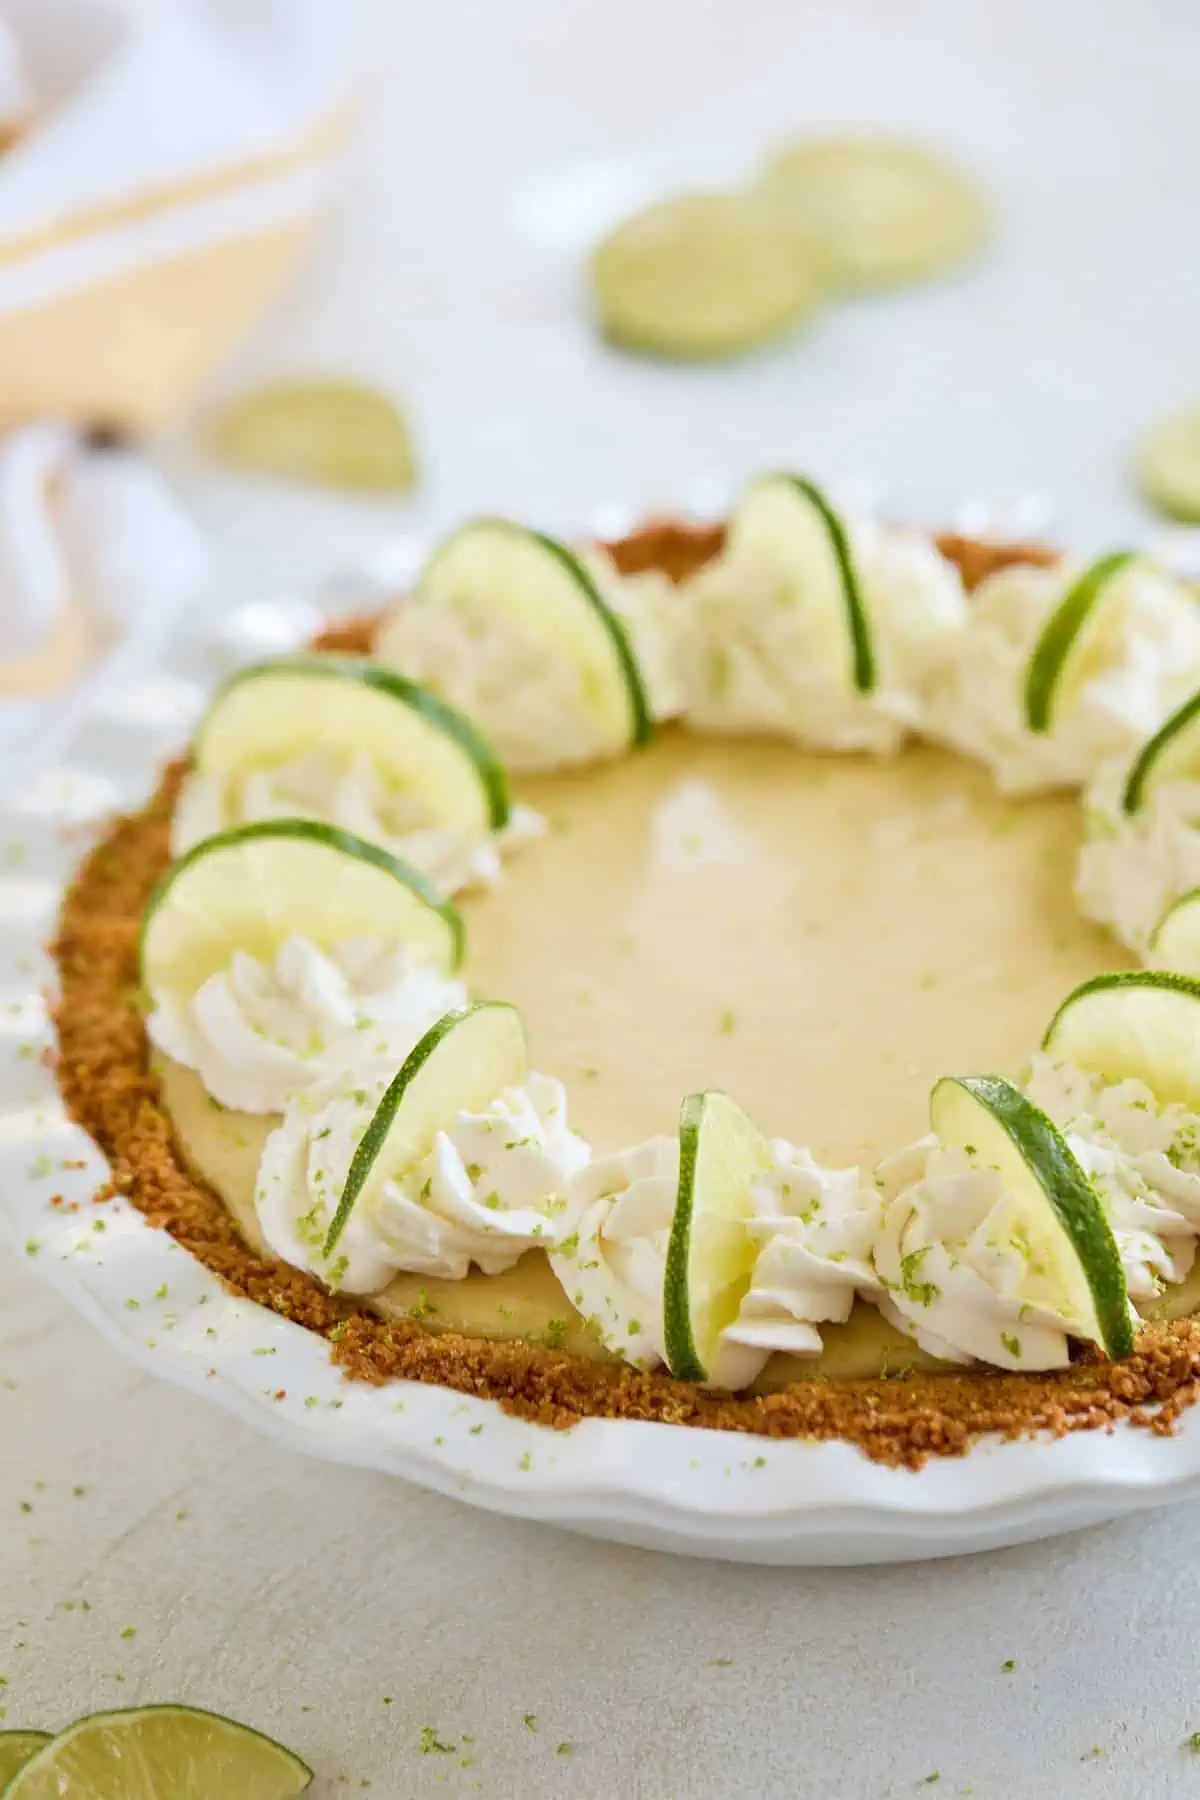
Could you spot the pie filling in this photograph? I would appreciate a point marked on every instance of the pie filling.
(740, 905)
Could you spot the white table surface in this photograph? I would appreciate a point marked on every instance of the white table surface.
(345, 1612)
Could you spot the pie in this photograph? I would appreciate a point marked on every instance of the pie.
(786, 809)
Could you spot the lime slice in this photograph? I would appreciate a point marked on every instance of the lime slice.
(347, 707)
(1143, 1023)
(545, 592)
(710, 1254)
(1074, 641)
(16, 1748)
(460, 1065)
(251, 888)
(888, 210)
(786, 522)
(156, 1752)
(335, 433)
(1172, 754)
(1169, 466)
(705, 275)
(1051, 1208)
(1175, 941)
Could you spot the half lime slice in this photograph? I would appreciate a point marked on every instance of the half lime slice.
(1051, 1211)
(251, 888)
(786, 522)
(16, 1748)
(460, 1065)
(710, 1253)
(547, 593)
(153, 1752)
(346, 707)
(332, 432)
(706, 275)
(1074, 641)
(1142, 1023)
(1175, 941)
(1169, 466)
(888, 210)
(1172, 754)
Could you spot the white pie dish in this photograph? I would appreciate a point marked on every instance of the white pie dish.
(697, 1492)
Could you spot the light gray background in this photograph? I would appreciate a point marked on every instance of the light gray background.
(305, 1598)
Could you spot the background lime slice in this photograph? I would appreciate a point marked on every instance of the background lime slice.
(251, 888)
(706, 275)
(711, 1254)
(1075, 1267)
(887, 210)
(1073, 641)
(332, 432)
(347, 706)
(460, 1065)
(1168, 466)
(16, 1748)
(160, 1753)
(1142, 1023)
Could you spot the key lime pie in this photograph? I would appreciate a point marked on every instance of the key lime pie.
(454, 995)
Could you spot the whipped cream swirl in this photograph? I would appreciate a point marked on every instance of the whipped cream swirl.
(815, 1227)
(1146, 661)
(493, 1186)
(257, 1032)
(354, 797)
(755, 660)
(1133, 866)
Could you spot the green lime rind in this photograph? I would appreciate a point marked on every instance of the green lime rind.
(710, 1254)
(1168, 466)
(441, 1043)
(16, 1748)
(470, 742)
(593, 611)
(1172, 753)
(426, 905)
(1056, 1176)
(1135, 1023)
(1062, 631)
(152, 1750)
(857, 622)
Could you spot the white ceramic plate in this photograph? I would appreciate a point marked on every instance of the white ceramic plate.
(702, 1493)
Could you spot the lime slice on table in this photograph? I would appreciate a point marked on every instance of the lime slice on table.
(1142, 1023)
(711, 1253)
(1172, 754)
(1175, 941)
(160, 1753)
(460, 1065)
(335, 433)
(251, 888)
(545, 590)
(1169, 466)
(887, 210)
(1050, 1209)
(1075, 640)
(347, 707)
(16, 1748)
(705, 275)
(786, 521)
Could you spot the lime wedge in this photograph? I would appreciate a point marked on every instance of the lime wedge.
(786, 522)
(16, 1748)
(1140, 1022)
(1169, 466)
(160, 1753)
(460, 1065)
(337, 434)
(887, 210)
(705, 275)
(252, 888)
(1051, 1208)
(1172, 754)
(347, 707)
(1175, 941)
(1074, 640)
(711, 1253)
(545, 593)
